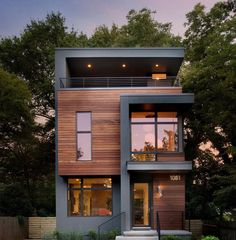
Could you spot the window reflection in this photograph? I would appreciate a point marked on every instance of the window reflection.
(152, 133)
(83, 121)
(143, 138)
(167, 137)
(84, 146)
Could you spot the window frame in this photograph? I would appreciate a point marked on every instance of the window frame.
(83, 132)
(82, 189)
(156, 124)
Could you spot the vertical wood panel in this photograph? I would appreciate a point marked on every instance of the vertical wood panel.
(171, 205)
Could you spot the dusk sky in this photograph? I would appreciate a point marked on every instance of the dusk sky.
(85, 15)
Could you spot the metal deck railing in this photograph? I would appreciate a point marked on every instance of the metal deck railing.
(113, 82)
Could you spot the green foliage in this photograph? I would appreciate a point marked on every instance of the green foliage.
(15, 115)
(92, 234)
(142, 30)
(209, 72)
(171, 237)
(110, 235)
(209, 238)
(57, 235)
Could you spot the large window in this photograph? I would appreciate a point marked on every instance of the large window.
(151, 133)
(89, 196)
(84, 137)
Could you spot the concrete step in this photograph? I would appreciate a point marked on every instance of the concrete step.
(140, 233)
(141, 228)
(136, 238)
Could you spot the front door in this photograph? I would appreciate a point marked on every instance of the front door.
(141, 204)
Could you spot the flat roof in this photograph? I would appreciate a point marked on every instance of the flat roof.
(109, 61)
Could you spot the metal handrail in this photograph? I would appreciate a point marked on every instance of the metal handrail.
(109, 82)
(108, 221)
(158, 225)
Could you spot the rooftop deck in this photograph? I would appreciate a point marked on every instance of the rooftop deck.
(116, 82)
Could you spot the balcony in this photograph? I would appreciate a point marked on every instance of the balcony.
(117, 82)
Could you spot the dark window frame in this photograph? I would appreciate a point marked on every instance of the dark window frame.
(82, 189)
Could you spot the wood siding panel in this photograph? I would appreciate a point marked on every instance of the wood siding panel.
(105, 108)
(171, 205)
(171, 157)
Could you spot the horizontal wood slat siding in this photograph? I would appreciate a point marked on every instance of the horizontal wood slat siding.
(171, 157)
(105, 108)
(39, 226)
(171, 205)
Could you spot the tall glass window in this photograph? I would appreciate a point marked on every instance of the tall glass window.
(90, 196)
(84, 136)
(153, 132)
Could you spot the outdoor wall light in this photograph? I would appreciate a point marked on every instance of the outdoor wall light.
(156, 65)
(89, 65)
(123, 65)
(158, 76)
(159, 191)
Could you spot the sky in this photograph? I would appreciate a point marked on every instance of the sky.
(86, 15)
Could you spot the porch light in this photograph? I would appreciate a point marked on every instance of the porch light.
(159, 76)
(156, 65)
(159, 191)
(89, 65)
(123, 65)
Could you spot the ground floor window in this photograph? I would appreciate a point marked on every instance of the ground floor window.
(89, 196)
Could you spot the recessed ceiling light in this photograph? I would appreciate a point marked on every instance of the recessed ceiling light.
(89, 65)
(123, 65)
(156, 65)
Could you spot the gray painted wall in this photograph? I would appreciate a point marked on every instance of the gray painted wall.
(81, 224)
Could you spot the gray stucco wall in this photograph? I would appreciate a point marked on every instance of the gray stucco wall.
(81, 224)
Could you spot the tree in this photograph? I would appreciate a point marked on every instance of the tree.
(209, 72)
(142, 30)
(31, 56)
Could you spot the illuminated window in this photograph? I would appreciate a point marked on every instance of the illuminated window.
(90, 197)
(151, 133)
(84, 136)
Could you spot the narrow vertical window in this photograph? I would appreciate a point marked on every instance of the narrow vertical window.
(84, 138)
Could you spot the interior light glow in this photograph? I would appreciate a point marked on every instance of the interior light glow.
(89, 65)
(156, 65)
(123, 65)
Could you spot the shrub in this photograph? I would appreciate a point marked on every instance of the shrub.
(92, 235)
(171, 237)
(57, 235)
(210, 238)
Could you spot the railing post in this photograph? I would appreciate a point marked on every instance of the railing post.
(158, 225)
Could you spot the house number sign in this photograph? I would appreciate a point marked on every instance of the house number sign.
(175, 177)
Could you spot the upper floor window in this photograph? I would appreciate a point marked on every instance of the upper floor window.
(84, 136)
(153, 132)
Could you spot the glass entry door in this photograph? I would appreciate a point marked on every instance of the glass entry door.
(141, 204)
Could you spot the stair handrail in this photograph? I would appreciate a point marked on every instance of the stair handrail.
(158, 225)
(109, 220)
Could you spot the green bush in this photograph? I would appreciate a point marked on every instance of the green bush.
(171, 237)
(57, 235)
(210, 238)
(110, 235)
(92, 235)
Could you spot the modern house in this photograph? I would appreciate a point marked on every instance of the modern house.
(119, 138)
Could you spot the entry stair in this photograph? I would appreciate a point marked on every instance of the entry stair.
(148, 234)
(139, 234)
